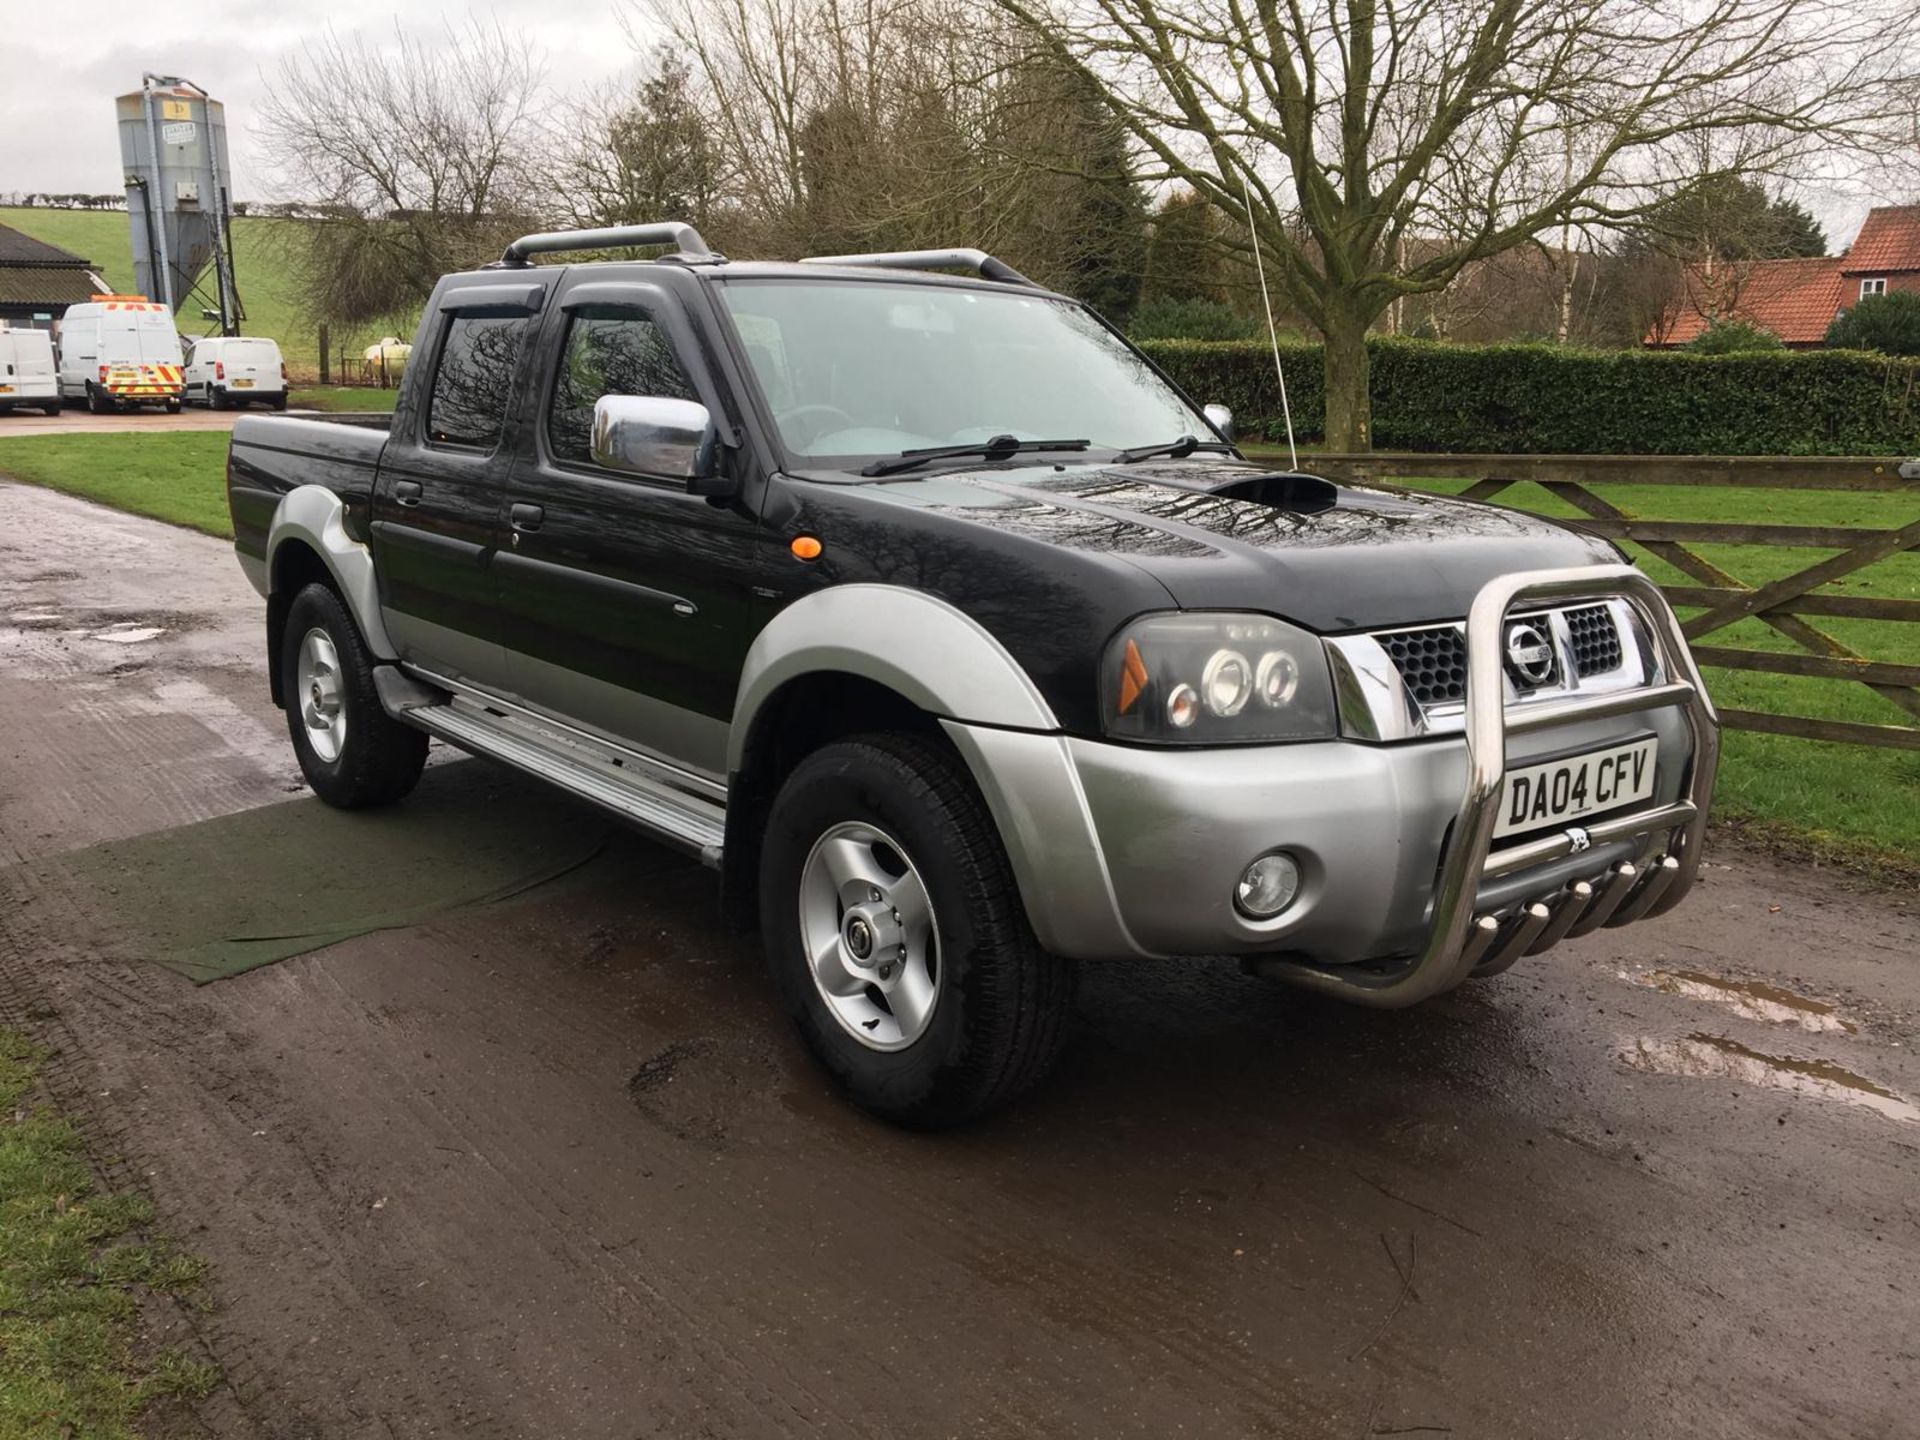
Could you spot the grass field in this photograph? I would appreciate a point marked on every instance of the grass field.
(261, 263)
(342, 398)
(179, 477)
(75, 1267)
(1854, 804)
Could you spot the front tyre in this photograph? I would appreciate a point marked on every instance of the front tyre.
(354, 755)
(895, 933)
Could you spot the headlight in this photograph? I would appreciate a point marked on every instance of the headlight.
(1194, 678)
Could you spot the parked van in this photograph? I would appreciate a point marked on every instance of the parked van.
(26, 371)
(224, 370)
(120, 350)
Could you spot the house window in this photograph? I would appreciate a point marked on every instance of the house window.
(1876, 286)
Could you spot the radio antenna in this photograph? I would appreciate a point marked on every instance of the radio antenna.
(1286, 410)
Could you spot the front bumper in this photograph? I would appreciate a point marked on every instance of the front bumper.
(1133, 850)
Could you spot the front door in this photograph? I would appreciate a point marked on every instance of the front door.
(437, 506)
(627, 599)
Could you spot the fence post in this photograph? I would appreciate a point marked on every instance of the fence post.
(326, 377)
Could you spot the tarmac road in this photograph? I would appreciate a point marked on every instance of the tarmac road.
(556, 1167)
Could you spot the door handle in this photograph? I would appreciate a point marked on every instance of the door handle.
(407, 492)
(527, 517)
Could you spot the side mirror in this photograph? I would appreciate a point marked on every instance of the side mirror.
(659, 436)
(1221, 418)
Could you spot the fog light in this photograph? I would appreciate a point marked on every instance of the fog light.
(1268, 887)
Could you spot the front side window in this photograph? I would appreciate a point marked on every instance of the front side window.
(869, 368)
(468, 405)
(613, 354)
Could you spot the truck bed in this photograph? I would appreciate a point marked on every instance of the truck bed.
(272, 454)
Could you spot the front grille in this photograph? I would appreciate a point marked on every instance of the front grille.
(1432, 663)
(1596, 640)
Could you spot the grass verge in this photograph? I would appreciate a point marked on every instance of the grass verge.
(75, 1266)
(179, 477)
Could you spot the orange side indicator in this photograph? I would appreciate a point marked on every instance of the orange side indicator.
(805, 547)
(1133, 677)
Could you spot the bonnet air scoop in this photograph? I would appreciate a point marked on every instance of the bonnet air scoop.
(1281, 489)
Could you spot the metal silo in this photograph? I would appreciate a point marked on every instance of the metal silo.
(173, 146)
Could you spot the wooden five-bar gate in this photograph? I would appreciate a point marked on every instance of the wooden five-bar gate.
(1717, 598)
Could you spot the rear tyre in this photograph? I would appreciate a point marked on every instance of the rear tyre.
(97, 403)
(896, 936)
(216, 398)
(173, 406)
(354, 755)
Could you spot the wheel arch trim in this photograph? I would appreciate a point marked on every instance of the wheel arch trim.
(921, 647)
(317, 516)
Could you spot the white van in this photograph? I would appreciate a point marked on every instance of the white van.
(26, 371)
(225, 370)
(120, 350)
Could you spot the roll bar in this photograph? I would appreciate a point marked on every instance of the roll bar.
(974, 262)
(690, 248)
(1459, 941)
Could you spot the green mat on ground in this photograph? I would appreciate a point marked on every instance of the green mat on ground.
(223, 896)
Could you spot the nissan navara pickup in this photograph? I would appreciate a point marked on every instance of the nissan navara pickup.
(966, 648)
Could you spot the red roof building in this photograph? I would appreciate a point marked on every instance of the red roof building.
(1798, 299)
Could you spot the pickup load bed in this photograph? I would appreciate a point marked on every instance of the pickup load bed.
(966, 648)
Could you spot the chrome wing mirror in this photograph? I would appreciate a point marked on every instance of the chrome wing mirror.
(658, 436)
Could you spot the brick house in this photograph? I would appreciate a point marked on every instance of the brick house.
(1798, 299)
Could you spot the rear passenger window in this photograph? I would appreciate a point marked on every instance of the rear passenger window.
(475, 375)
(608, 355)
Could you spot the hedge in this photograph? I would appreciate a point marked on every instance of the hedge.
(1511, 399)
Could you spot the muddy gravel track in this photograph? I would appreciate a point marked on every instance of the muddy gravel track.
(555, 1167)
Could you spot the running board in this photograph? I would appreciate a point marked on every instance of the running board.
(690, 822)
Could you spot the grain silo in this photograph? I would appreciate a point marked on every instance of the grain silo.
(173, 146)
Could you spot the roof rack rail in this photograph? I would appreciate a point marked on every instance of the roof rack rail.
(691, 248)
(976, 262)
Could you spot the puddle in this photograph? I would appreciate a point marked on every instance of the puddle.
(129, 635)
(1714, 1057)
(1750, 999)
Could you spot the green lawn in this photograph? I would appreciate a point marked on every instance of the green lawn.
(75, 1268)
(180, 477)
(340, 398)
(262, 270)
(1849, 802)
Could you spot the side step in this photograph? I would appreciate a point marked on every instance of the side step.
(619, 783)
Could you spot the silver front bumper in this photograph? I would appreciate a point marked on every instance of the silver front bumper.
(1123, 850)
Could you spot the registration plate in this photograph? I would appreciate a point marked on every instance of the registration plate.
(243, 384)
(1559, 792)
(6, 389)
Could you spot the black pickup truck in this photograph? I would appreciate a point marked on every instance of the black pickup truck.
(965, 647)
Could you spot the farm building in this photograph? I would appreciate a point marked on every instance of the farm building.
(1798, 299)
(39, 281)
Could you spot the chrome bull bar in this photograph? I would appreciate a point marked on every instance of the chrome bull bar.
(1462, 942)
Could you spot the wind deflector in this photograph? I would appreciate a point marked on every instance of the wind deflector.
(497, 300)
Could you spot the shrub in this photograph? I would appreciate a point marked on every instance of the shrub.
(1545, 399)
(1733, 337)
(1168, 319)
(1887, 323)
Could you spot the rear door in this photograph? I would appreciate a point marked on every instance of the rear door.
(438, 499)
(627, 599)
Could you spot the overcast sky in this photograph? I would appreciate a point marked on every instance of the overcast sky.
(63, 71)
(56, 107)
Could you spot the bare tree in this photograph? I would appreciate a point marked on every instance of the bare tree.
(629, 154)
(421, 154)
(1476, 124)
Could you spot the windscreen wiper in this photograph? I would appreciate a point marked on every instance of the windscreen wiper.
(1178, 449)
(1000, 447)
